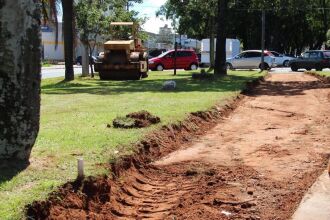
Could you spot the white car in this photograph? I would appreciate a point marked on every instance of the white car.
(281, 59)
(251, 59)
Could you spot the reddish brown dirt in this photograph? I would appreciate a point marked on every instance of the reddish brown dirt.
(256, 163)
(139, 119)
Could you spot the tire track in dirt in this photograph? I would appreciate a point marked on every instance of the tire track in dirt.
(256, 163)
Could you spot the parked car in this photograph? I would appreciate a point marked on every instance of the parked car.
(281, 59)
(251, 59)
(92, 60)
(185, 59)
(313, 59)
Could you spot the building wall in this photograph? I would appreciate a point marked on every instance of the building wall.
(165, 36)
(49, 48)
(52, 53)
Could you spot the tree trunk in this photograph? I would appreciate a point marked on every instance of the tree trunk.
(67, 6)
(220, 58)
(91, 50)
(85, 60)
(20, 67)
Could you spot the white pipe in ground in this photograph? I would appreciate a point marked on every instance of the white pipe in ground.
(80, 168)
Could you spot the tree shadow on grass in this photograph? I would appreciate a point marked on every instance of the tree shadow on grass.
(289, 88)
(184, 84)
(9, 169)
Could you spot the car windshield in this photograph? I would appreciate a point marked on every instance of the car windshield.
(275, 54)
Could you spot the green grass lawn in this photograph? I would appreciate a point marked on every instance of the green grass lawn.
(74, 118)
(324, 73)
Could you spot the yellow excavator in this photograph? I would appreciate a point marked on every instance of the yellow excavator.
(123, 59)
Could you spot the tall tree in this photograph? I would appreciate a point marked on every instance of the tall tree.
(220, 57)
(189, 13)
(291, 26)
(69, 35)
(20, 68)
(92, 23)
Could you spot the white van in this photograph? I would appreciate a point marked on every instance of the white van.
(232, 49)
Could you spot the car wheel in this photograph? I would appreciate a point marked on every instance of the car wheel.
(193, 67)
(229, 66)
(308, 69)
(266, 66)
(294, 68)
(286, 63)
(159, 67)
(319, 68)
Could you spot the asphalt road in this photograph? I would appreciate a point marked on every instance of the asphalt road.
(59, 71)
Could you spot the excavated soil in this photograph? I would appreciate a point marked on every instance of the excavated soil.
(253, 159)
(139, 119)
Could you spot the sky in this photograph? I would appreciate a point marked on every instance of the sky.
(148, 9)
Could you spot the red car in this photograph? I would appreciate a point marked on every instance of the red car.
(185, 59)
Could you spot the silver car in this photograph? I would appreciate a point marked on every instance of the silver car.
(251, 59)
(281, 59)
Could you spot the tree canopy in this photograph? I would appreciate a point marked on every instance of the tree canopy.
(291, 25)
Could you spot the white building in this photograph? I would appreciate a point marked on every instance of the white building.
(48, 41)
(52, 52)
(165, 38)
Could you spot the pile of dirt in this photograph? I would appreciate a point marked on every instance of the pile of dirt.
(89, 194)
(139, 119)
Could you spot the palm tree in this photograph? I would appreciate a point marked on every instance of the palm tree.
(68, 30)
(220, 58)
(19, 79)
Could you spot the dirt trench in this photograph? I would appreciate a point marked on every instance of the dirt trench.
(254, 163)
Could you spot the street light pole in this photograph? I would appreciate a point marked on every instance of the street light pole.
(263, 21)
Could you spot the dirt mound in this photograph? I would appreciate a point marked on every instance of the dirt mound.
(89, 194)
(140, 119)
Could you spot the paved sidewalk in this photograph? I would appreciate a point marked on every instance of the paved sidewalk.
(316, 203)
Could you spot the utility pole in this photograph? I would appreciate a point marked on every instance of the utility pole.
(263, 21)
(175, 55)
(175, 49)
